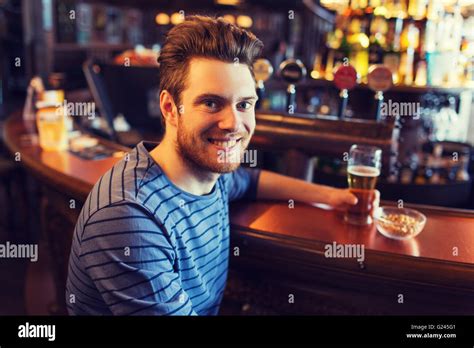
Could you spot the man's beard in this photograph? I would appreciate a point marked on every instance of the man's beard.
(204, 157)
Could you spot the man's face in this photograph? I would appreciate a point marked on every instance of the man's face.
(217, 116)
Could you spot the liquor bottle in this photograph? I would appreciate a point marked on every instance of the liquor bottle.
(407, 173)
(114, 25)
(391, 57)
(417, 9)
(420, 79)
(436, 43)
(353, 5)
(378, 30)
(434, 10)
(412, 8)
(394, 176)
(343, 52)
(375, 3)
(434, 162)
(399, 9)
(84, 23)
(338, 47)
(463, 173)
(66, 28)
(333, 42)
(428, 174)
(408, 169)
(409, 43)
(359, 41)
(454, 38)
(99, 23)
(451, 171)
(375, 51)
(380, 8)
(420, 178)
(134, 23)
(363, 4)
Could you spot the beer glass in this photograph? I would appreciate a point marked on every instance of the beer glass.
(363, 168)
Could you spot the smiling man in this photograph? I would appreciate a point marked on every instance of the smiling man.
(153, 234)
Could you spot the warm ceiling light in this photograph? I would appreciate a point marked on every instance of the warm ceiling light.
(229, 18)
(162, 19)
(244, 21)
(315, 74)
(177, 18)
(228, 2)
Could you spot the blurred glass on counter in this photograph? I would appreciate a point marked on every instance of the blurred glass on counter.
(51, 121)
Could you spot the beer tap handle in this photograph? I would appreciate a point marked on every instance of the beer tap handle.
(379, 80)
(291, 99)
(260, 94)
(345, 78)
(262, 70)
(343, 105)
(292, 71)
(378, 105)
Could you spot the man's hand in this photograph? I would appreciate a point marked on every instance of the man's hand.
(343, 199)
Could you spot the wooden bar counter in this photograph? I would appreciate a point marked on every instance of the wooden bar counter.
(278, 262)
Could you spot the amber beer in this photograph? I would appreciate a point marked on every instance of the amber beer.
(362, 173)
(362, 177)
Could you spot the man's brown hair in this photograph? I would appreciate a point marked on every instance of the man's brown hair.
(207, 37)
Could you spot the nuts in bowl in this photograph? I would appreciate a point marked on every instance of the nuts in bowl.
(399, 223)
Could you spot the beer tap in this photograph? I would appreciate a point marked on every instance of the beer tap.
(262, 70)
(345, 78)
(292, 71)
(379, 80)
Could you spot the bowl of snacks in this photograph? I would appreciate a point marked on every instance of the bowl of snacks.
(399, 223)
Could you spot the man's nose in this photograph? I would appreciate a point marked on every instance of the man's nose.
(231, 121)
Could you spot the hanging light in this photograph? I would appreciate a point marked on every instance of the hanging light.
(228, 2)
(229, 18)
(177, 17)
(244, 21)
(162, 19)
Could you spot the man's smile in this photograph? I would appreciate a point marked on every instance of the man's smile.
(225, 144)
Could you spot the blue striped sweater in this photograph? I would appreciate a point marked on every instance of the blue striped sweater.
(142, 246)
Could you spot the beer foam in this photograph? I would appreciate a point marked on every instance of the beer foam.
(363, 171)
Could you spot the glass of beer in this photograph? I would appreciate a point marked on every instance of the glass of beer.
(363, 168)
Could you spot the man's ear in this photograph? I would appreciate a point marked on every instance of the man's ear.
(169, 109)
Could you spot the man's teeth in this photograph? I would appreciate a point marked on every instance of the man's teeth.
(229, 143)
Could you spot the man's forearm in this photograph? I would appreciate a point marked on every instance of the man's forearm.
(280, 187)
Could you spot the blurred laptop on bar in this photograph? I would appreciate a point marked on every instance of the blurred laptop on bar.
(127, 98)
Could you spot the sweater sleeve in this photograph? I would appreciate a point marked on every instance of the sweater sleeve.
(242, 183)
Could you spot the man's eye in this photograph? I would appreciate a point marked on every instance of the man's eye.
(244, 105)
(210, 104)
